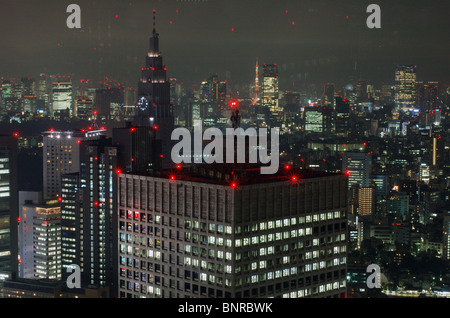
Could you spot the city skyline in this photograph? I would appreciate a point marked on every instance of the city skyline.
(311, 41)
(103, 188)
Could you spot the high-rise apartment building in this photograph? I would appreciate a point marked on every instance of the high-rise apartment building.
(405, 86)
(225, 232)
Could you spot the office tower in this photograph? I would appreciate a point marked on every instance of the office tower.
(39, 240)
(89, 228)
(109, 103)
(398, 205)
(328, 94)
(61, 156)
(292, 110)
(29, 96)
(83, 108)
(9, 99)
(342, 117)
(360, 91)
(427, 96)
(424, 173)
(446, 237)
(176, 91)
(154, 108)
(61, 98)
(222, 97)
(71, 223)
(405, 87)
(176, 99)
(225, 232)
(382, 185)
(313, 120)
(357, 165)
(318, 119)
(8, 204)
(139, 149)
(366, 202)
(270, 94)
(386, 93)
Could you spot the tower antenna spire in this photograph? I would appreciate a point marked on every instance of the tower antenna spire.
(154, 22)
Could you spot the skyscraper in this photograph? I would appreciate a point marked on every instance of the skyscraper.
(40, 241)
(358, 166)
(29, 95)
(405, 86)
(427, 96)
(230, 233)
(139, 149)
(154, 107)
(62, 97)
(270, 93)
(8, 204)
(71, 222)
(61, 156)
(342, 117)
(98, 177)
(366, 204)
(89, 221)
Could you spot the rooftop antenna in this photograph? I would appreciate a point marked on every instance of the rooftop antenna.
(154, 22)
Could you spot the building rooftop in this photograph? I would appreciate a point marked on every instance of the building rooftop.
(236, 174)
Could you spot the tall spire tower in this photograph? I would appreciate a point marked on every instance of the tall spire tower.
(153, 105)
(256, 96)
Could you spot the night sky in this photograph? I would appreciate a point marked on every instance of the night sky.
(321, 39)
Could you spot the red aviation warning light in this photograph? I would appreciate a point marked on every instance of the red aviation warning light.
(234, 185)
(172, 177)
(294, 178)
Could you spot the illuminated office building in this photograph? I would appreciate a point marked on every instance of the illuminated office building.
(366, 202)
(427, 96)
(405, 87)
(154, 107)
(61, 156)
(29, 95)
(8, 204)
(357, 165)
(342, 117)
(62, 97)
(270, 93)
(210, 233)
(89, 220)
(40, 241)
(446, 237)
(83, 108)
(9, 99)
